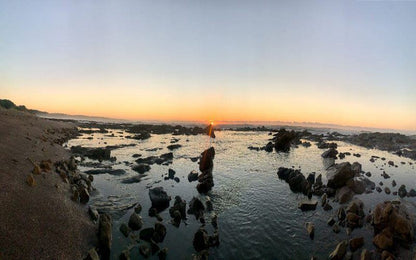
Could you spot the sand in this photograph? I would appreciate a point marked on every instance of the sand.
(39, 222)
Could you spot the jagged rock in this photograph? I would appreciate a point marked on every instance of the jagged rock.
(331, 153)
(105, 234)
(339, 174)
(402, 191)
(135, 221)
(295, 179)
(310, 228)
(160, 232)
(159, 197)
(306, 205)
(193, 176)
(196, 207)
(340, 251)
(200, 240)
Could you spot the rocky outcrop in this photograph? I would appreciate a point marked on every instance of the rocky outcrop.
(392, 226)
(331, 153)
(206, 166)
(339, 174)
(284, 139)
(159, 197)
(178, 210)
(296, 180)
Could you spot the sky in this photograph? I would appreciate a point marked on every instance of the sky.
(341, 62)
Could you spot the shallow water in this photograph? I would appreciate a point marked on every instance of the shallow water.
(257, 213)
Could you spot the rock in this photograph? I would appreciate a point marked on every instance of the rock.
(310, 228)
(135, 221)
(386, 255)
(336, 228)
(331, 221)
(356, 168)
(159, 197)
(174, 146)
(171, 173)
(365, 255)
(93, 213)
(214, 240)
(208, 204)
(402, 191)
(393, 183)
(145, 250)
(36, 170)
(141, 168)
(84, 196)
(75, 195)
(163, 253)
(339, 174)
(138, 208)
(30, 180)
(344, 195)
(323, 199)
(340, 251)
(378, 189)
(214, 221)
(295, 179)
(176, 215)
(306, 205)
(125, 255)
(200, 240)
(125, 230)
(385, 175)
(99, 154)
(92, 255)
(387, 190)
(391, 163)
(116, 172)
(105, 235)
(284, 139)
(331, 153)
(146, 234)
(368, 174)
(160, 232)
(193, 176)
(384, 240)
(196, 207)
(411, 193)
(341, 155)
(269, 147)
(327, 206)
(356, 243)
(206, 161)
(361, 184)
(341, 214)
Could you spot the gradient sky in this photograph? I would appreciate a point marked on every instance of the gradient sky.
(344, 62)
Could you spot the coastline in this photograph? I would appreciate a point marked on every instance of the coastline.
(36, 219)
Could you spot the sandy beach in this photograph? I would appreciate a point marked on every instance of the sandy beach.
(40, 221)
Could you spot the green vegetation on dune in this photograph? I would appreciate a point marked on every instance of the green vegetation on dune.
(8, 104)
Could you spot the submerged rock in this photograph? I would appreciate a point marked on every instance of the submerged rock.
(306, 205)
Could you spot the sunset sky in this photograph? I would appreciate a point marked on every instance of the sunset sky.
(342, 62)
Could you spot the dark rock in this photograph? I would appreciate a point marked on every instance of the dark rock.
(295, 179)
(378, 189)
(92, 255)
(344, 195)
(171, 173)
(306, 205)
(141, 168)
(393, 183)
(93, 213)
(340, 251)
(356, 168)
(269, 147)
(196, 207)
(402, 191)
(146, 234)
(339, 175)
(331, 221)
(138, 208)
(84, 196)
(336, 228)
(174, 146)
(200, 240)
(135, 221)
(387, 190)
(104, 171)
(356, 243)
(159, 198)
(206, 161)
(125, 255)
(193, 176)
(385, 175)
(411, 193)
(163, 253)
(310, 228)
(176, 179)
(92, 153)
(105, 235)
(331, 153)
(145, 250)
(311, 178)
(160, 232)
(284, 139)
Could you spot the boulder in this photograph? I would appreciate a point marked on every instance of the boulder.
(284, 139)
(269, 147)
(384, 240)
(146, 234)
(331, 153)
(297, 182)
(160, 232)
(402, 191)
(196, 207)
(356, 243)
(159, 197)
(193, 176)
(206, 161)
(200, 241)
(356, 168)
(180, 206)
(339, 174)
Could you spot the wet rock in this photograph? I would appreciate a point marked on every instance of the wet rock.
(138, 208)
(341, 214)
(356, 243)
(411, 193)
(327, 206)
(360, 185)
(176, 215)
(387, 190)
(116, 172)
(339, 174)
(340, 251)
(145, 250)
(378, 189)
(393, 183)
(105, 235)
(365, 255)
(141, 168)
(75, 195)
(99, 154)
(336, 228)
(200, 241)
(171, 173)
(135, 221)
(391, 163)
(30, 180)
(402, 191)
(310, 228)
(384, 240)
(341, 155)
(163, 253)
(295, 179)
(306, 205)
(269, 147)
(160, 232)
(206, 164)
(331, 221)
(125, 255)
(356, 168)
(180, 206)
(344, 195)
(324, 199)
(193, 176)
(196, 207)
(214, 221)
(214, 240)
(284, 139)
(368, 174)
(208, 204)
(174, 146)
(311, 178)
(331, 153)
(159, 198)
(124, 229)
(84, 196)
(92, 255)
(385, 175)
(146, 234)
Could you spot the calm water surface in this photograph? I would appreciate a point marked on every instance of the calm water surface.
(257, 213)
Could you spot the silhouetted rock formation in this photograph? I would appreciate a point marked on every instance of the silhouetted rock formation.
(206, 165)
